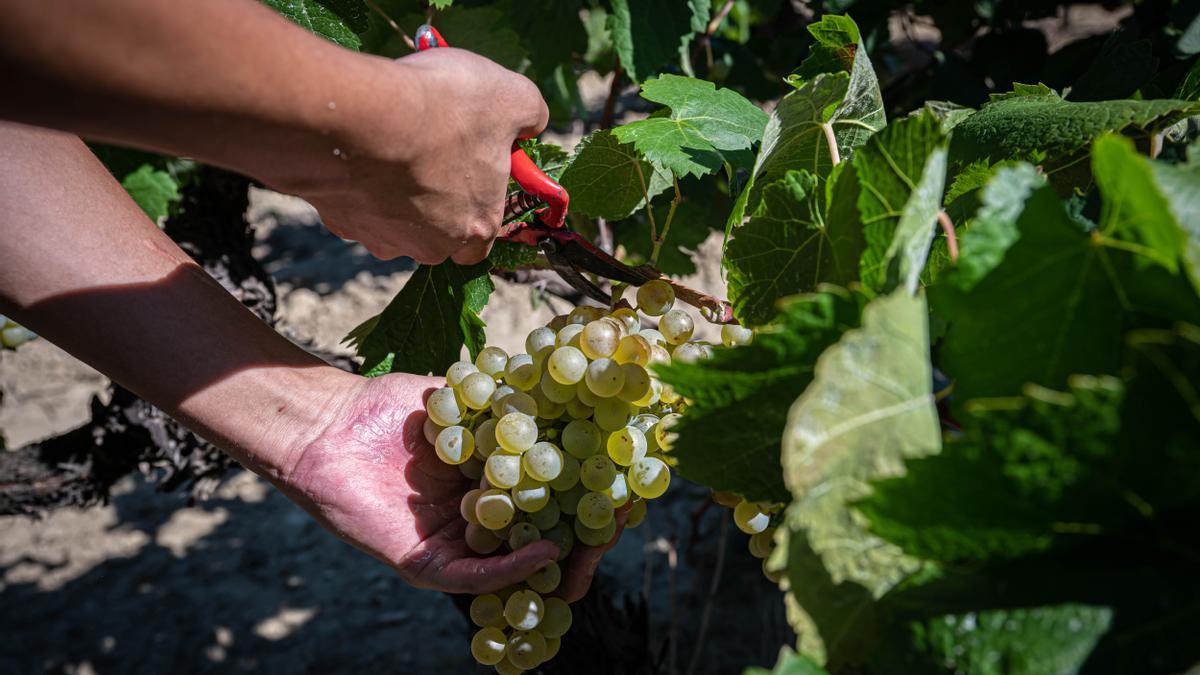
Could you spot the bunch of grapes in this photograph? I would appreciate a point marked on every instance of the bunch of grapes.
(757, 519)
(559, 437)
(13, 334)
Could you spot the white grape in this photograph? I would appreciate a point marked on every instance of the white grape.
(523, 610)
(485, 438)
(543, 461)
(663, 434)
(454, 445)
(605, 377)
(567, 365)
(547, 516)
(637, 513)
(649, 477)
(568, 336)
(632, 349)
(522, 372)
(618, 492)
(611, 414)
(600, 338)
(459, 370)
(530, 495)
(689, 352)
(749, 518)
(545, 581)
(637, 383)
(645, 423)
(596, 473)
(506, 667)
(494, 509)
(578, 410)
(515, 402)
(540, 342)
(626, 446)
(585, 395)
(733, 335)
(594, 509)
(581, 438)
(568, 476)
(480, 539)
(522, 535)
(630, 323)
(726, 499)
(652, 395)
(556, 618)
(655, 297)
(568, 499)
(595, 537)
(659, 355)
(526, 649)
(488, 610)
(652, 336)
(489, 645)
(562, 536)
(557, 391)
(443, 407)
(552, 646)
(676, 326)
(491, 361)
(466, 506)
(762, 543)
(472, 468)
(516, 432)
(503, 470)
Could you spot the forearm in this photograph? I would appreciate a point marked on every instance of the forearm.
(83, 266)
(228, 82)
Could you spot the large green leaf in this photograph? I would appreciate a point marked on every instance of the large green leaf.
(610, 179)
(334, 20)
(649, 33)
(729, 437)
(869, 409)
(787, 248)
(1033, 123)
(486, 31)
(901, 171)
(154, 190)
(425, 326)
(551, 32)
(704, 123)
(789, 663)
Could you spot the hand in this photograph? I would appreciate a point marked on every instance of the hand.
(428, 179)
(372, 479)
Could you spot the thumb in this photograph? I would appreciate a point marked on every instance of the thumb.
(484, 575)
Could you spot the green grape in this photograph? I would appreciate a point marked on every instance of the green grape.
(659, 355)
(526, 649)
(466, 506)
(454, 445)
(506, 667)
(530, 495)
(481, 540)
(547, 516)
(604, 377)
(540, 342)
(459, 370)
(545, 580)
(485, 438)
(550, 413)
(472, 468)
(566, 365)
(611, 414)
(726, 499)
(523, 610)
(489, 645)
(750, 519)
(494, 509)
(491, 361)
(568, 336)
(649, 477)
(522, 372)
(676, 326)
(663, 434)
(556, 391)
(596, 473)
(521, 535)
(502, 391)
(556, 618)
(585, 395)
(632, 349)
(594, 510)
(626, 445)
(655, 298)
(628, 319)
(430, 429)
(552, 647)
(584, 314)
(691, 352)
(595, 537)
(476, 390)
(653, 337)
(569, 499)
(637, 382)
(516, 432)
(543, 461)
(599, 339)
(443, 407)
(503, 470)
(581, 439)
(515, 402)
(618, 492)
(653, 393)
(762, 543)
(637, 513)
(569, 476)
(557, 322)
(561, 536)
(578, 410)
(644, 423)
(488, 610)
(736, 336)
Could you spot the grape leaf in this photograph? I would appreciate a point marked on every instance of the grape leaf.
(551, 32)
(701, 211)
(423, 329)
(331, 19)
(648, 33)
(441, 4)
(486, 31)
(994, 227)
(153, 190)
(787, 247)
(902, 170)
(609, 179)
(789, 663)
(869, 409)
(1036, 120)
(703, 123)
(729, 435)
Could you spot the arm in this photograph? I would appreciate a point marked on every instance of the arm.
(380, 147)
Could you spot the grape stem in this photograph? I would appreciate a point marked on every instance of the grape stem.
(658, 240)
(392, 22)
(951, 239)
(834, 154)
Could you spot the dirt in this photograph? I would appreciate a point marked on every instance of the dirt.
(247, 582)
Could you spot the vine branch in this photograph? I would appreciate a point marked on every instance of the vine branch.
(834, 154)
(951, 238)
(658, 240)
(391, 22)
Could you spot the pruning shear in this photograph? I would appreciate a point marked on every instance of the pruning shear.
(569, 254)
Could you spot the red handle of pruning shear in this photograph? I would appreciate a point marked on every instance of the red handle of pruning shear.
(526, 174)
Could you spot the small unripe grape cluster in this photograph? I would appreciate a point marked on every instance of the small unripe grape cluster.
(559, 437)
(757, 519)
(13, 334)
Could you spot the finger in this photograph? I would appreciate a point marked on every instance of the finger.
(473, 252)
(584, 561)
(531, 109)
(485, 575)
